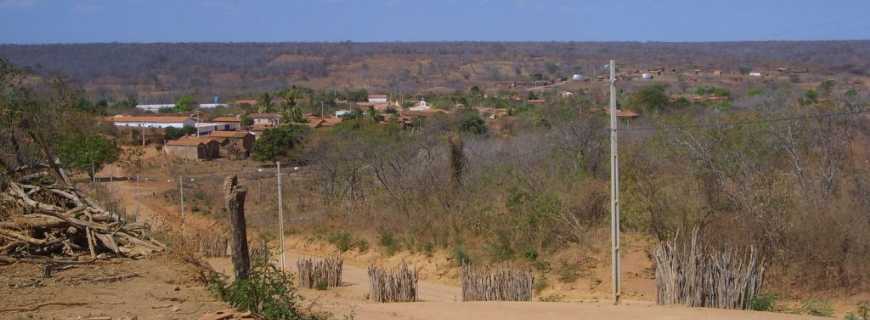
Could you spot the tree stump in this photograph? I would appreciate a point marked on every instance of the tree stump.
(235, 202)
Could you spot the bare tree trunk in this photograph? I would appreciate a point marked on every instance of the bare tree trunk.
(235, 202)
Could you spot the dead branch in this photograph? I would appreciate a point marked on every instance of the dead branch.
(55, 222)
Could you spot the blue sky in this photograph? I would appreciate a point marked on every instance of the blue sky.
(73, 21)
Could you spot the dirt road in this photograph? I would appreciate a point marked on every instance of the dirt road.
(158, 287)
(440, 301)
(443, 301)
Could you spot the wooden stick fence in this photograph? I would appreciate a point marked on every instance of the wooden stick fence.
(396, 285)
(215, 246)
(691, 274)
(496, 285)
(320, 273)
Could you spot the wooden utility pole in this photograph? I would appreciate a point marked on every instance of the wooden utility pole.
(614, 186)
(281, 216)
(235, 203)
(181, 197)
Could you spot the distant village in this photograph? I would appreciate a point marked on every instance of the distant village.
(233, 136)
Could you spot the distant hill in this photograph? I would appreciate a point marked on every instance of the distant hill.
(158, 71)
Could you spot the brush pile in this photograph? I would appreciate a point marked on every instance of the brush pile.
(481, 284)
(320, 273)
(44, 219)
(692, 274)
(396, 285)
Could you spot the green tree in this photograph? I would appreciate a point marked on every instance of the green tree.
(175, 133)
(651, 98)
(358, 95)
(185, 104)
(86, 152)
(293, 115)
(279, 142)
(265, 104)
(471, 122)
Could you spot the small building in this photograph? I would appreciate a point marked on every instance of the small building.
(154, 107)
(377, 98)
(342, 113)
(577, 77)
(234, 144)
(755, 74)
(212, 105)
(206, 128)
(646, 76)
(230, 122)
(420, 106)
(161, 122)
(266, 120)
(567, 94)
(193, 148)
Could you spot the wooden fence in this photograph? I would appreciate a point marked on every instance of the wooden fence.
(689, 273)
(396, 285)
(320, 273)
(212, 246)
(496, 285)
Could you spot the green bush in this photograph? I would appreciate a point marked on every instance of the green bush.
(500, 248)
(278, 142)
(460, 256)
(362, 245)
(345, 241)
(817, 307)
(764, 302)
(471, 122)
(389, 242)
(342, 240)
(175, 133)
(268, 292)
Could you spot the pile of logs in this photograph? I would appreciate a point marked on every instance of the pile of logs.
(689, 273)
(320, 273)
(396, 285)
(496, 285)
(46, 219)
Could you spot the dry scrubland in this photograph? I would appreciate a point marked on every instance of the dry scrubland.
(527, 189)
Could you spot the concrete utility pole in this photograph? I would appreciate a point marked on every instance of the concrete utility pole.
(614, 185)
(281, 216)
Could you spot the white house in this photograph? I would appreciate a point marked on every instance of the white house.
(212, 105)
(342, 113)
(265, 120)
(577, 77)
(646, 76)
(377, 98)
(420, 106)
(153, 121)
(154, 107)
(755, 74)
